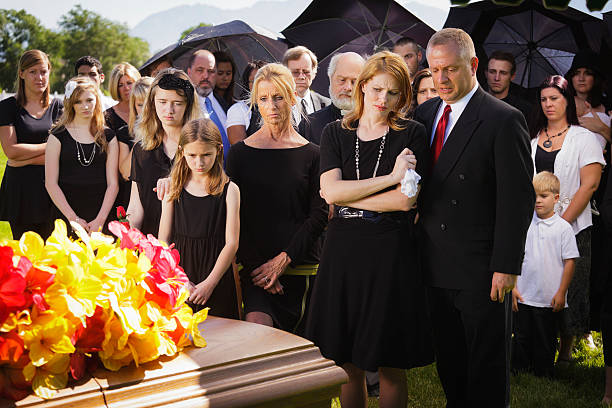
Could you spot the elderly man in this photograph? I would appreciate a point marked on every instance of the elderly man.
(475, 208)
(409, 50)
(500, 73)
(303, 66)
(202, 72)
(343, 71)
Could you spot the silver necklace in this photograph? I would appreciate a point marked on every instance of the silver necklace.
(84, 161)
(380, 150)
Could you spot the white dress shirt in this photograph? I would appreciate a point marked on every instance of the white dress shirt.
(549, 242)
(457, 109)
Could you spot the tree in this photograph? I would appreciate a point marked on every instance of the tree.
(87, 33)
(190, 29)
(19, 32)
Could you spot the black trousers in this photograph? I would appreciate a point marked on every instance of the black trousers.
(535, 340)
(472, 345)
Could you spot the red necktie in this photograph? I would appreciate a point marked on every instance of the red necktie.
(438, 141)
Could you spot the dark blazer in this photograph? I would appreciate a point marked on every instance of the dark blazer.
(477, 203)
(319, 101)
(312, 127)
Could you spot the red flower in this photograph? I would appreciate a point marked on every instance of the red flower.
(86, 339)
(130, 237)
(11, 347)
(12, 285)
(37, 282)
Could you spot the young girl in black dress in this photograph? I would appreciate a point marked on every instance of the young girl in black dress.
(200, 214)
(25, 120)
(81, 159)
(170, 104)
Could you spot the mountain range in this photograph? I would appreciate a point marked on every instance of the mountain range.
(163, 28)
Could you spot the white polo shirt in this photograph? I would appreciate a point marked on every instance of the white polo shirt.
(549, 242)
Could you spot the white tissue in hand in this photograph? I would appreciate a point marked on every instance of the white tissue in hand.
(410, 183)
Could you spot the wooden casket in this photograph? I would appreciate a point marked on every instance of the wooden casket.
(243, 365)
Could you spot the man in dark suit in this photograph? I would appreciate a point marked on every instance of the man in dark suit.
(303, 66)
(475, 209)
(343, 71)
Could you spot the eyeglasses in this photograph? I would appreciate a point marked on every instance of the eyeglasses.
(298, 72)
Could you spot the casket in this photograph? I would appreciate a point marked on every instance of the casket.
(243, 365)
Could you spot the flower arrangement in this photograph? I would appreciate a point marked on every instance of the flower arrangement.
(67, 305)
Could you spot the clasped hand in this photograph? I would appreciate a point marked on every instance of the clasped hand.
(404, 161)
(266, 276)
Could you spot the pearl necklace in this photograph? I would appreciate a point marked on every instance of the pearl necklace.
(380, 150)
(84, 161)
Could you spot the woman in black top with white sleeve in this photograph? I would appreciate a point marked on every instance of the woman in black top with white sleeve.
(282, 214)
(25, 120)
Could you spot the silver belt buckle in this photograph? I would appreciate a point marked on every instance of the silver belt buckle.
(346, 212)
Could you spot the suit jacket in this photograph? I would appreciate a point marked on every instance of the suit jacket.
(319, 101)
(477, 204)
(312, 127)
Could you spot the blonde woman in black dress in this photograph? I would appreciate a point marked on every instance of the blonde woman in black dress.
(368, 306)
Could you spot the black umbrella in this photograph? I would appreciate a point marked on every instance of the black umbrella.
(362, 26)
(542, 41)
(242, 41)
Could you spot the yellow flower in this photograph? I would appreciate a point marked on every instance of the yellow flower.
(74, 290)
(198, 318)
(125, 301)
(59, 246)
(49, 334)
(21, 318)
(49, 378)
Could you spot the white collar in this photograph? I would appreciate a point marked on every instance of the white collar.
(548, 220)
(458, 107)
(306, 96)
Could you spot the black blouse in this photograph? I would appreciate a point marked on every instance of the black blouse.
(113, 120)
(28, 128)
(148, 166)
(545, 161)
(281, 208)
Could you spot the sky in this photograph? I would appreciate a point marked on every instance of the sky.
(133, 11)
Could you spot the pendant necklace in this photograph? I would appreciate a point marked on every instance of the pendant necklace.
(548, 143)
(380, 150)
(84, 161)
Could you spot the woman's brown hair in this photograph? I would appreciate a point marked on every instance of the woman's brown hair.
(198, 130)
(149, 128)
(96, 125)
(29, 59)
(384, 62)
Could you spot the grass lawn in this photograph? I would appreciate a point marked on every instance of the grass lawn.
(578, 386)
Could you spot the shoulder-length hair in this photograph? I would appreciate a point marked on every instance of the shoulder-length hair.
(149, 128)
(384, 62)
(139, 94)
(121, 69)
(96, 125)
(282, 79)
(595, 96)
(221, 56)
(540, 121)
(198, 130)
(29, 59)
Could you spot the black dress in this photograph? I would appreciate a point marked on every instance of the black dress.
(148, 166)
(198, 232)
(24, 201)
(84, 186)
(125, 186)
(280, 210)
(368, 306)
(113, 120)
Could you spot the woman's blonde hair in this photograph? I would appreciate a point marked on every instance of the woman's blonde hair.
(139, 93)
(198, 130)
(281, 77)
(384, 62)
(148, 127)
(121, 69)
(29, 59)
(96, 125)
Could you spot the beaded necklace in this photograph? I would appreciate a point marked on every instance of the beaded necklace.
(380, 150)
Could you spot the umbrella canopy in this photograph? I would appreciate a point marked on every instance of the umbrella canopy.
(362, 26)
(242, 41)
(542, 41)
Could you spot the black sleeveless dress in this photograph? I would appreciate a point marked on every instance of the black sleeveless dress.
(198, 231)
(83, 186)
